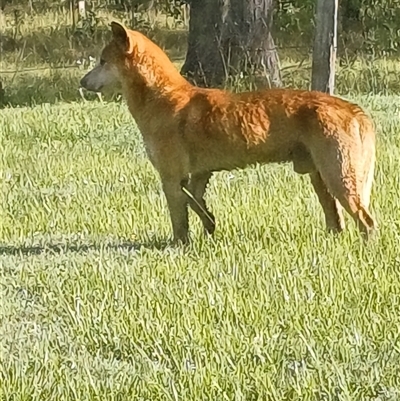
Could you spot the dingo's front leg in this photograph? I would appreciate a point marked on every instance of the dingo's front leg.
(178, 208)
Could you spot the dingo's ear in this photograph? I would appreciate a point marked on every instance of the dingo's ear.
(121, 36)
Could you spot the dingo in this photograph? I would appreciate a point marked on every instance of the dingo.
(190, 132)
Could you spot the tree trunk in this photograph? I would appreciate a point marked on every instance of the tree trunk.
(230, 38)
(325, 42)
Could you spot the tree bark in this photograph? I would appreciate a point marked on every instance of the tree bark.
(325, 44)
(230, 38)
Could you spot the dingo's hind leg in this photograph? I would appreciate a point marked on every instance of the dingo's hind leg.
(197, 187)
(337, 167)
(332, 208)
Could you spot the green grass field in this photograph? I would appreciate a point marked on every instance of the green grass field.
(95, 305)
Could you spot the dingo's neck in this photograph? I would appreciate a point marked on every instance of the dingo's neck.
(152, 83)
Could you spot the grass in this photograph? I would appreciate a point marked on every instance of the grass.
(97, 306)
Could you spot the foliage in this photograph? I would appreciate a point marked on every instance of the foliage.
(365, 25)
(381, 22)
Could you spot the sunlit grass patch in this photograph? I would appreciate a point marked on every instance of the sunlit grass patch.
(97, 305)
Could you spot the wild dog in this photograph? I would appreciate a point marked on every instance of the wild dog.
(191, 132)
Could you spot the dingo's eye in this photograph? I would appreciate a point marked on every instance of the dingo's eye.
(102, 61)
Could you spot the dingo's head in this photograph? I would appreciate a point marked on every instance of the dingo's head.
(106, 77)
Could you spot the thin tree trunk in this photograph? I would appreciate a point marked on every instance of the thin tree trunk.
(324, 53)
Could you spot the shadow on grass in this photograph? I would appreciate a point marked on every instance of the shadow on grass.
(42, 86)
(35, 86)
(21, 250)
